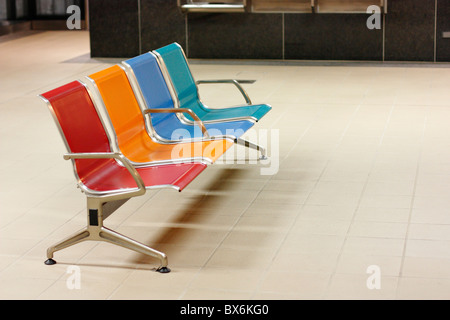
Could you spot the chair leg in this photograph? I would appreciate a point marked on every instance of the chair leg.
(78, 237)
(113, 237)
(95, 231)
(252, 145)
(110, 236)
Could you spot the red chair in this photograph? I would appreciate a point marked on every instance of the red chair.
(107, 178)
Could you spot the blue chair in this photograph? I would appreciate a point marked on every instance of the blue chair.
(173, 59)
(168, 122)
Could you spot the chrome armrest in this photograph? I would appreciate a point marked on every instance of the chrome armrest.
(231, 81)
(182, 110)
(121, 158)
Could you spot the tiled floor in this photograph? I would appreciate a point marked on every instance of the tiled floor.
(354, 203)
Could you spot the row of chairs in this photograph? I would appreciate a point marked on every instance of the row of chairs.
(141, 125)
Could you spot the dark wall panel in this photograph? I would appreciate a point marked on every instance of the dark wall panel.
(410, 30)
(331, 37)
(161, 23)
(235, 36)
(114, 28)
(442, 25)
(127, 28)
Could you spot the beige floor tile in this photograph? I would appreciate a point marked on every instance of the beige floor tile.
(294, 262)
(424, 267)
(332, 212)
(301, 285)
(321, 226)
(144, 285)
(400, 215)
(392, 230)
(373, 246)
(214, 294)
(428, 248)
(361, 264)
(429, 231)
(355, 287)
(241, 258)
(423, 289)
(300, 243)
(17, 288)
(225, 279)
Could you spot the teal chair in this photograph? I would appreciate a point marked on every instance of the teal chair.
(174, 61)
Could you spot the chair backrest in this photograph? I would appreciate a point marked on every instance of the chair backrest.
(183, 82)
(122, 106)
(152, 86)
(80, 125)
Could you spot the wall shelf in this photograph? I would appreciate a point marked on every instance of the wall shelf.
(213, 6)
(281, 6)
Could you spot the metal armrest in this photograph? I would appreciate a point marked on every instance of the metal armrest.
(182, 110)
(232, 81)
(126, 163)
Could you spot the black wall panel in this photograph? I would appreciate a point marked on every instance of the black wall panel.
(332, 37)
(114, 28)
(235, 36)
(443, 25)
(410, 30)
(161, 23)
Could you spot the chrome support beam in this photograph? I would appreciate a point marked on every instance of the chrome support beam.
(253, 145)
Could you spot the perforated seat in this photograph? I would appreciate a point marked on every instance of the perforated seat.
(106, 177)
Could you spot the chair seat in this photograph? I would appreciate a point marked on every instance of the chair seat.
(232, 128)
(141, 150)
(111, 177)
(256, 111)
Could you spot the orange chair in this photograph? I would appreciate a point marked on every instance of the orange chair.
(116, 95)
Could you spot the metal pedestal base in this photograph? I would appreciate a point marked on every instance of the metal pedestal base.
(95, 231)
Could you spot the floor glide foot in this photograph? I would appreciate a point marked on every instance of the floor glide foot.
(50, 262)
(163, 270)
